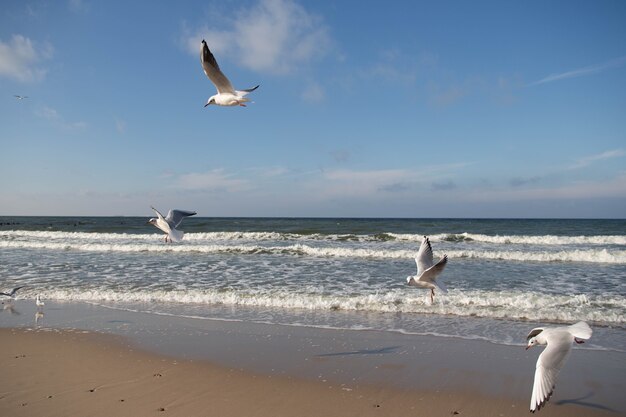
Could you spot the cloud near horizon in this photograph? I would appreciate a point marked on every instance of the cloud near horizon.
(588, 160)
(213, 180)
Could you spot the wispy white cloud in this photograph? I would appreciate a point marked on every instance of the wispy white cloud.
(213, 180)
(443, 185)
(340, 155)
(576, 190)
(588, 160)
(313, 93)
(53, 116)
(270, 172)
(120, 126)
(370, 183)
(20, 61)
(522, 181)
(275, 36)
(77, 6)
(592, 69)
(391, 66)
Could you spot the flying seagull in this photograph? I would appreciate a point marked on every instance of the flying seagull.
(427, 271)
(170, 223)
(20, 97)
(559, 344)
(11, 293)
(226, 94)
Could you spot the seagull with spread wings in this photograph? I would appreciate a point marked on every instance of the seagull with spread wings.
(427, 270)
(558, 341)
(170, 223)
(226, 93)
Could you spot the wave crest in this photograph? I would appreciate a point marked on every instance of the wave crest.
(519, 306)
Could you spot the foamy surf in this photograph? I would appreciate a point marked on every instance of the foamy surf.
(512, 305)
(539, 240)
(575, 255)
(503, 275)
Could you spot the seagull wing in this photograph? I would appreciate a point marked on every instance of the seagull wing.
(212, 70)
(161, 222)
(430, 275)
(424, 257)
(580, 330)
(12, 292)
(549, 364)
(175, 217)
(158, 213)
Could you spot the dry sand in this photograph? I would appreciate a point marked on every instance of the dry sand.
(74, 373)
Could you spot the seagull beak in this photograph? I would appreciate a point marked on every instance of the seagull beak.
(528, 347)
(206, 104)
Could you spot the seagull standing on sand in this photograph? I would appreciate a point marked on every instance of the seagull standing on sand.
(226, 94)
(559, 344)
(170, 223)
(11, 293)
(427, 271)
(39, 302)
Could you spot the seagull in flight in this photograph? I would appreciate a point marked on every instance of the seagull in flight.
(558, 341)
(226, 93)
(11, 293)
(20, 97)
(427, 271)
(170, 223)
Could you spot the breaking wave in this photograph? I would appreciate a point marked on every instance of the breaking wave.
(513, 305)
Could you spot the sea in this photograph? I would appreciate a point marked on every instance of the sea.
(504, 276)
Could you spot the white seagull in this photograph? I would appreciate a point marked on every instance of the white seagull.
(20, 97)
(39, 302)
(170, 223)
(427, 271)
(559, 344)
(11, 293)
(226, 94)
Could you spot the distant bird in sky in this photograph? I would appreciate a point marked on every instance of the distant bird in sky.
(20, 97)
(427, 271)
(559, 344)
(11, 293)
(170, 223)
(226, 94)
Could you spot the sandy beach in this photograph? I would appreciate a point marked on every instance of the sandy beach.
(138, 364)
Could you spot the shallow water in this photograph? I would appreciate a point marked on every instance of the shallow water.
(504, 276)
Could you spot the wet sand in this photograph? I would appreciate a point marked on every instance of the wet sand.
(88, 360)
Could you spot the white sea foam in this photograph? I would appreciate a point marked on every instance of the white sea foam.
(575, 255)
(513, 305)
(517, 239)
(590, 255)
(547, 240)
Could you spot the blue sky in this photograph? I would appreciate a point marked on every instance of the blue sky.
(366, 109)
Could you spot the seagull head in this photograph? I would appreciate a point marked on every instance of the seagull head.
(152, 221)
(532, 342)
(211, 100)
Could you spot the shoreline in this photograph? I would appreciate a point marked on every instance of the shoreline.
(69, 372)
(394, 366)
